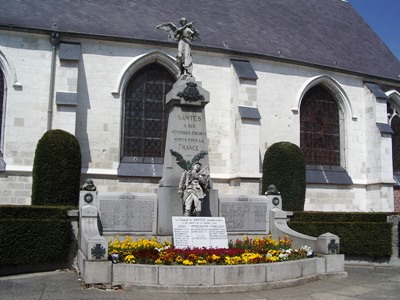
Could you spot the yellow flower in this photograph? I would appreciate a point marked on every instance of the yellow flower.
(187, 262)
(201, 262)
(130, 259)
(215, 257)
(232, 260)
(248, 257)
(273, 258)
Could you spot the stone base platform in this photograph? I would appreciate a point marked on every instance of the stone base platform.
(218, 279)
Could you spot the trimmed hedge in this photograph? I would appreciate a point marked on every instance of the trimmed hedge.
(27, 212)
(56, 169)
(284, 166)
(28, 242)
(361, 234)
(34, 235)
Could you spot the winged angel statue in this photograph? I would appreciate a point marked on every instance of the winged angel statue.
(184, 35)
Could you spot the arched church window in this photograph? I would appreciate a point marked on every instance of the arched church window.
(320, 128)
(145, 116)
(394, 121)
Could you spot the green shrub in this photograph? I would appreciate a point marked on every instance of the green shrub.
(28, 212)
(284, 166)
(361, 238)
(56, 169)
(361, 234)
(34, 235)
(29, 242)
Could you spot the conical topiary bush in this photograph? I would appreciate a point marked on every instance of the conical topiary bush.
(56, 169)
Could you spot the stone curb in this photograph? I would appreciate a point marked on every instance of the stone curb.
(238, 288)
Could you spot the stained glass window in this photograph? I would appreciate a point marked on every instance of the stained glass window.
(145, 113)
(319, 128)
(394, 120)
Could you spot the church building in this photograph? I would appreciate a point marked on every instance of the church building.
(309, 72)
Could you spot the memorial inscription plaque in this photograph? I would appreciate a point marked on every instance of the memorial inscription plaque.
(208, 232)
(128, 213)
(245, 214)
(190, 136)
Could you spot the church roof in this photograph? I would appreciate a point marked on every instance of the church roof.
(327, 33)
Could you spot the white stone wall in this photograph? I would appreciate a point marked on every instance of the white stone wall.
(358, 198)
(215, 76)
(373, 146)
(15, 189)
(238, 186)
(26, 108)
(332, 199)
(236, 149)
(128, 185)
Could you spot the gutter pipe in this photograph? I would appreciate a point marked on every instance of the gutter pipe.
(54, 42)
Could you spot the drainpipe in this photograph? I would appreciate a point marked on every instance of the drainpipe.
(54, 42)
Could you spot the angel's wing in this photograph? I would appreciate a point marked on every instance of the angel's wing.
(199, 156)
(170, 28)
(180, 160)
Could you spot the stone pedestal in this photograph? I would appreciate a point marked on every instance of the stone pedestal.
(328, 243)
(187, 132)
(186, 143)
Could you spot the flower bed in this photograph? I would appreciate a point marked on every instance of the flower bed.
(246, 251)
(246, 265)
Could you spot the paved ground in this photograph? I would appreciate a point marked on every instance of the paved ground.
(363, 282)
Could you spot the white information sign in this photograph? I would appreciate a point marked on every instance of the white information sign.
(199, 232)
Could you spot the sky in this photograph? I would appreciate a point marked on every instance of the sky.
(383, 16)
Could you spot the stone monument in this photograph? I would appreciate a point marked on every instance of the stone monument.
(185, 205)
(186, 147)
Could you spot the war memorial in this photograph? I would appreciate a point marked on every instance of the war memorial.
(187, 210)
